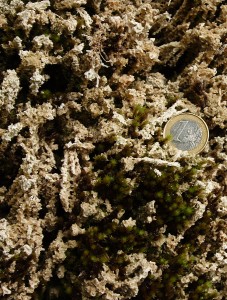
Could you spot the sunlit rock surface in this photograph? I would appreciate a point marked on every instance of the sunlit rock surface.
(94, 204)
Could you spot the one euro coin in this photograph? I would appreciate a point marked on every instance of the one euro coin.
(187, 132)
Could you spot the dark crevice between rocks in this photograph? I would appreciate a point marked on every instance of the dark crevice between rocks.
(58, 289)
(13, 59)
(24, 91)
(59, 78)
(217, 131)
(118, 102)
(84, 117)
(10, 161)
(197, 20)
(171, 72)
(91, 7)
(183, 11)
(214, 16)
(54, 130)
(4, 210)
(174, 7)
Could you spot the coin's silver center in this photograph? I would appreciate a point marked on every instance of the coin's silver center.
(187, 134)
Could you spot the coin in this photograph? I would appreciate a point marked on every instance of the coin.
(187, 132)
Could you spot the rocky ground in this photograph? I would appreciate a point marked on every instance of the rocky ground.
(94, 203)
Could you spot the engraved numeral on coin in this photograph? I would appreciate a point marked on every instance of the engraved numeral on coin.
(182, 125)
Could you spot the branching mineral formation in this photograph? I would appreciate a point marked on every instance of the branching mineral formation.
(94, 203)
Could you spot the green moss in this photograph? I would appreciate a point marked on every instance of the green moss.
(193, 189)
(173, 208)
(139, 119)
(112, 163)
(102, 240)
(171, 99)
(163, 261)
(107, 179)
(112, 182)
(46, 94)
(100, 244)
(203, 289)
(55, 37)
(159, 194)
(164, 140)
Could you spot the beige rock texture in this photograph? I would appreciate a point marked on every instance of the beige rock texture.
(94, 203)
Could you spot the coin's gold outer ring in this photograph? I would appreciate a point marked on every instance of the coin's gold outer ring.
(192, 117)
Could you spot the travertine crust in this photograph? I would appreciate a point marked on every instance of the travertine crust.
(94, 204)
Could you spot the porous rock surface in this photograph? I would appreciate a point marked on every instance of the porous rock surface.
(94, 203)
